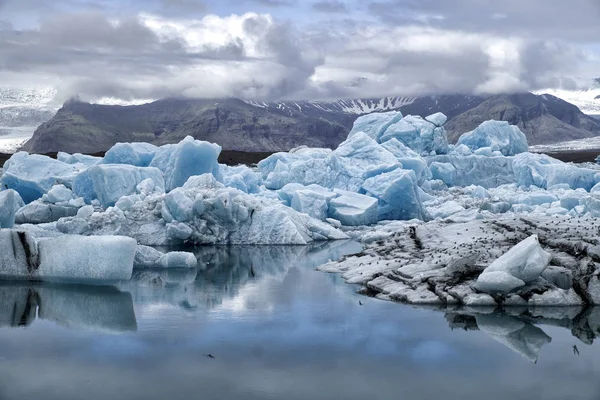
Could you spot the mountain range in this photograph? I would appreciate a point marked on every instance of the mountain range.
(278, 126)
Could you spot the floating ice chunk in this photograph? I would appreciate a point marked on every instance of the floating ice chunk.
(438, 119)
(352, 209)
(544, 171)
(178, 259)
(187, 158)
(522, 264)
(39, 213)
(58, 194)
(375, 124)
(136, 154)
(10, 203)
(66, 258)
(86, 259)
(146, 257)
(78, 158)
(108, 183)
(241, 177)
(397, 194)
(33, 175)
(496, 135)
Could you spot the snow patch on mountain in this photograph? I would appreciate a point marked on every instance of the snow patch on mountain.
(587, 100)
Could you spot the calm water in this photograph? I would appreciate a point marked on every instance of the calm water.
(277, 329)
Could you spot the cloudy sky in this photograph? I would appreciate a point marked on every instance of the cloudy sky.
(297, 49)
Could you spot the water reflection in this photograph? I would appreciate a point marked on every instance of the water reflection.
(520, 330)
(96, 308)
(227, 270)
(280, 330)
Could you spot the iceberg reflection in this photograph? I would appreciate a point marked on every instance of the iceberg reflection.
(519, 329)
(95, 308)
(226, 270)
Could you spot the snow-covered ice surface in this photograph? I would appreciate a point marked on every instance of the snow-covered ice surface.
(574, 145)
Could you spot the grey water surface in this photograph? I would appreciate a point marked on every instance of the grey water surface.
(261, 323)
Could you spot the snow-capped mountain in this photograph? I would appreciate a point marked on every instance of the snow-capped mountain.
(354, 106)
(588, 100)
(21, 112)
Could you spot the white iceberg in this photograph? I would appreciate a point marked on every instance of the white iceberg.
(522, 264)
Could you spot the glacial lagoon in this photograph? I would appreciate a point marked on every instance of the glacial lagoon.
(260, 323)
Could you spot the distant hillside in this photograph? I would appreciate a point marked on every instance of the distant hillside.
(544, 118)
(278, 126)
(232, 123)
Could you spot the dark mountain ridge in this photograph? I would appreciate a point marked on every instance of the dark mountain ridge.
(279, 126)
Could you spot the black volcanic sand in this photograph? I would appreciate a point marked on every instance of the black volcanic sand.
(228, 157)
(232, 157)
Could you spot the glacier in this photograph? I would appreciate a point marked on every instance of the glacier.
(441, 223)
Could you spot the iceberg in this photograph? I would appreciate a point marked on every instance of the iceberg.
(419, 134)
(544, 171)
(40, 213)
(34, 175)
(10, 203)
(409, 159)
(66, 258)
(241, 178)
(375, 124)
(187, 158)
(444, 172)
(136, 154)
(357, 159)
(218, 215)
(352, 209)
(397, 194)
(487, 172)
(311, 201)
(78, 158)
(108, 183)
(522, 264)
(497, 136)
(177, 259)
(58, 194)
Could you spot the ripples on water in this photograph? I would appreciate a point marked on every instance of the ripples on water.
(259, 322)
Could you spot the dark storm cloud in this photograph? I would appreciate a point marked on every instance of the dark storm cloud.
(412, 47)
(330, 6)
(574, 19)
